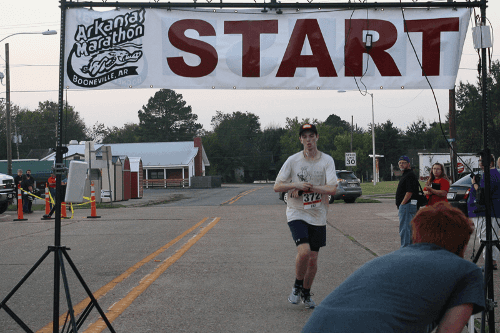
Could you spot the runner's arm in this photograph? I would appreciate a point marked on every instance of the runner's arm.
(285, 187)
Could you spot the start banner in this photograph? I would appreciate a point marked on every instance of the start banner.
(248, 49)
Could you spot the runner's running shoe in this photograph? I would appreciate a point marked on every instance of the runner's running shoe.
(294, 297)
(308, 302)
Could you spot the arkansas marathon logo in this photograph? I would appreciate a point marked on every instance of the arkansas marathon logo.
(105, 50)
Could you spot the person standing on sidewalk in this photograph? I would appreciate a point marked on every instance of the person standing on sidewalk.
(437, 186)
(309, 177)
(406, 199)
(52, 187)
(19, 178)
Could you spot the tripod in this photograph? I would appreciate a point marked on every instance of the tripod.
(60, 252)
(483, 242)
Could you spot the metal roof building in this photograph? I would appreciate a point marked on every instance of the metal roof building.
(161, 160)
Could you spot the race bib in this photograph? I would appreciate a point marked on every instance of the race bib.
(311, 200)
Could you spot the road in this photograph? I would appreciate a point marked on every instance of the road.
(215, 260)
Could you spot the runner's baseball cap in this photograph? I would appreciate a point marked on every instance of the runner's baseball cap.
(307, 127)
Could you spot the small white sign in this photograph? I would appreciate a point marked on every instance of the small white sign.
(350, 159)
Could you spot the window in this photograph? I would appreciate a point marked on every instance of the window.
(155, 174)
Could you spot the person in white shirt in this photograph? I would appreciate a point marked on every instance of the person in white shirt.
(309, 177)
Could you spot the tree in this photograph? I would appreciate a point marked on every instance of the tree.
(167, 118)
(416, 134)
(469, 119)
(233, 144)
(419, 135)
(362, 146)
(388, 143)
(335, 121)
(3, 128)
(38, 129)
(129, 133)
(269, 152)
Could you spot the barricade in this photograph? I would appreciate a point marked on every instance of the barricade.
(93, 211)
(20, 216)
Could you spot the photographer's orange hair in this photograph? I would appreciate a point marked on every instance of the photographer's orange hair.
(443, 225)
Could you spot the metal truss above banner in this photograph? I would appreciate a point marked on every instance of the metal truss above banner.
(181, 48)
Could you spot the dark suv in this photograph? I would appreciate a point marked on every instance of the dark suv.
(348, 190)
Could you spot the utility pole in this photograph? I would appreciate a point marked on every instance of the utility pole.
(7, 110)
(453, 132)
(453, 135)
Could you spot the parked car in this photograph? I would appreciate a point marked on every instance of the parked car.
(348, 190)
(459, 192)
(7, 191)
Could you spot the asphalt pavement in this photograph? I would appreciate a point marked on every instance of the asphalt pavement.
(186, 260)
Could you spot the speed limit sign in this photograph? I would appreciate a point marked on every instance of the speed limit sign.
(350, 159)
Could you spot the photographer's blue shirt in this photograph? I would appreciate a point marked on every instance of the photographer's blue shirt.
(404, 291)
(495, 196)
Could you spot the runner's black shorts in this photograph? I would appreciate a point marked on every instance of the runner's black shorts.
(303, 232)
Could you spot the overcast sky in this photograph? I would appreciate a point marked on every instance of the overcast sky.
(34, 77)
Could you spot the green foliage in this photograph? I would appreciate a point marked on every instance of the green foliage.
(233, 144)
(336, 122)
(469, 121)
(167, 118)
(38, 129)
(362, 146)
(420, 135)
(129, 133)
(388, 143)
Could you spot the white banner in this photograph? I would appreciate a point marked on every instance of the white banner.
(235, 49)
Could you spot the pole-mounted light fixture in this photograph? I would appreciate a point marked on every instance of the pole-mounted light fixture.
(7, 93)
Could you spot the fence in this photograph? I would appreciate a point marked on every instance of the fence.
(165, 183)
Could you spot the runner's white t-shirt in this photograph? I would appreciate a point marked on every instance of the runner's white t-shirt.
(309, 207)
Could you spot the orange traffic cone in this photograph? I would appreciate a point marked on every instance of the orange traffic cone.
(93, 211)
(63, 210)
(20, 216)
(47, 200)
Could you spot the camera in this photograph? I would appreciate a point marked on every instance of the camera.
(476, 177)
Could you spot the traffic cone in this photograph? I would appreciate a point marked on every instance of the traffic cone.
(93, 212)
(63, 210)
(47, 200)
(20, 216)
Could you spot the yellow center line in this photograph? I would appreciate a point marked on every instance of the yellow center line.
(119, 307)
(239, 196)
(108, 287)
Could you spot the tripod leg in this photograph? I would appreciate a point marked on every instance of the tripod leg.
(66, 289)
(479, 251)
(17, 319)
(89, 293)
(24, 278)
(84, 315)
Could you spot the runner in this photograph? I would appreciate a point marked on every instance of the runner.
(309, 177)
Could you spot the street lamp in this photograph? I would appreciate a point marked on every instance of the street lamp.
(373, 139)
(373, 144)
(7, 92)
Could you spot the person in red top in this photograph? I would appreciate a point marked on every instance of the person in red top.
(52, 187)
(437, 186)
